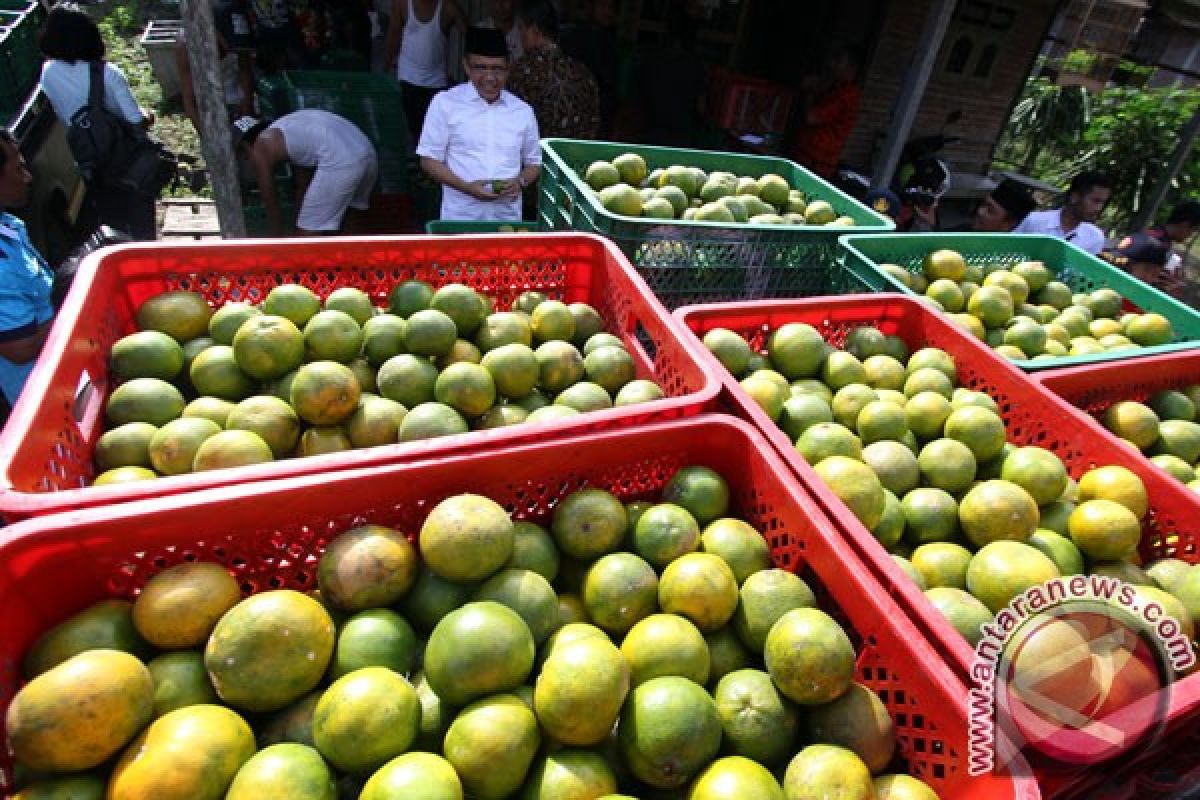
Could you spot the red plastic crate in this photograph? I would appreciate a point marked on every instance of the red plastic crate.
(747, 104)
(46, 448)
(1032, 415)
(270, 535)
(1097, 386)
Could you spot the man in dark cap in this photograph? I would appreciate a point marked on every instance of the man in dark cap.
(479, 141)
(1004, 208)
(1147, 254)
(334, 164)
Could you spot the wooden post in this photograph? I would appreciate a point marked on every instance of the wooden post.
(215, 136)
(1187, 140)
(925, 55)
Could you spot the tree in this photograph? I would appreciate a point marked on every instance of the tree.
(1129, 133)
(1047, 118)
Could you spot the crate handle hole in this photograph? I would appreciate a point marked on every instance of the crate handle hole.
(85, 407)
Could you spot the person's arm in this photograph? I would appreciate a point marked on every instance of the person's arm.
(120, 97)
(24, 344)
(264, 158)
(245, 68)
(924, 220)
(452, 17)
(395, 34)
(480, 190)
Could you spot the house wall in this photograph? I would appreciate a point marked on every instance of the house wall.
(1011, 30)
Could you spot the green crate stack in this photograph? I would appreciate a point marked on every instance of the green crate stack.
(20, 59)
(369, 100)
(1076, 268)
(449, 226)
(255, 214)
(688, 262)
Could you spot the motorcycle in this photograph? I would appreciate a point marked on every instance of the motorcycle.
(921, 178)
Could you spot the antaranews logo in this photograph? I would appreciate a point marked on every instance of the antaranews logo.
(1078, 669)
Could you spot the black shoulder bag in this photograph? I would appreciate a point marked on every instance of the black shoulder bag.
(114, 153)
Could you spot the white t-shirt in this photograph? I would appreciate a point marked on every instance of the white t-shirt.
(478, 140)
(66, 85)
(316, 138)
(1086, 236)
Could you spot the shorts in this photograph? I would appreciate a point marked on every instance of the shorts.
(332, 191)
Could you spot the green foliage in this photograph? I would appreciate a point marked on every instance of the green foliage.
(1080, 61)
(121, 23)
(1130, 133)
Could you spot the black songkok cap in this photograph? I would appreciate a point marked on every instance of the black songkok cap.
(486, 42)
(1014, 198)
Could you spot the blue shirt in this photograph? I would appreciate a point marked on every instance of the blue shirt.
(25, 284)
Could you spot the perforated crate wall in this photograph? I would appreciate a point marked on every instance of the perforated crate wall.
(1032, 416)
(47, 445)
(696, 262)
(270, 535)
(1076, 268)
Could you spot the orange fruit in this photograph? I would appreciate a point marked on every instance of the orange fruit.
(332, 336)
(944, 264)
(231, 449)
(182, 315)
(1104, 530)
(297, 303)
(146, 354)
(701, 587)
(1004, 569)
(148, 400)
(269, 417)
(324, 393)
(430, 333)
(856, 485)
(227, 319)
(1118, 484)
(465, 387)
(267, 347)
(995, 510)
(216, 373)
(409, 297)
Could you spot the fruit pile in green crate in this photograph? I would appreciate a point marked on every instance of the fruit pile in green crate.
(623, 186)
(925, 465)
(1165, 428)
(1022, 312)
(292, 376)
(648, 648)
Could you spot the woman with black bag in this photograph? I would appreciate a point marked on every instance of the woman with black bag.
(71, 43)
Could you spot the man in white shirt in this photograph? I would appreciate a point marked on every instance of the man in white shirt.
(1087, 196)
(479, 141)
(334, 163)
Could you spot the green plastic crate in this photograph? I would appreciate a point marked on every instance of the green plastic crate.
(255, 215)
(444, 226)
(1076, 268)
(369, 100)
(20, 59)
(688, 262)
